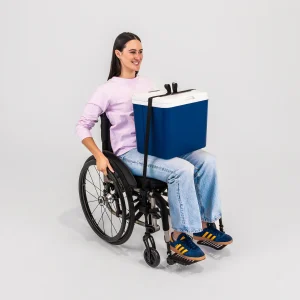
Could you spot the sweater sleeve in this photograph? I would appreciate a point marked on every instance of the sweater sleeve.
(97, 105)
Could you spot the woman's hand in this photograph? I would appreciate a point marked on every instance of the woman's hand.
(102, 165)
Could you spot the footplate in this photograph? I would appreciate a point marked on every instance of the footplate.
(211, 244)
(176, 258)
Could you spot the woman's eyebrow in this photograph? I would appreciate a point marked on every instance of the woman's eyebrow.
(134, 49)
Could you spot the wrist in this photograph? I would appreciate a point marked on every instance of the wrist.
(99, 156)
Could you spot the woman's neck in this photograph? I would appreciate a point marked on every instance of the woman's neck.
(128, 74)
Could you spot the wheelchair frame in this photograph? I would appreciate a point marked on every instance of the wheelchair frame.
(151, 204)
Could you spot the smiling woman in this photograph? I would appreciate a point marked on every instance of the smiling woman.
(127, 56)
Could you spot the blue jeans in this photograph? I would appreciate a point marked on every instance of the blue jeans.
(192, 186)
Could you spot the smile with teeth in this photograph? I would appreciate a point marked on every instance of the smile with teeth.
(135, 63)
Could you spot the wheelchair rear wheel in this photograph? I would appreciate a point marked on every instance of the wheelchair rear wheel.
(107, 203)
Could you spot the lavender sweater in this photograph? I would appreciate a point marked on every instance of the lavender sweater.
(114, 98)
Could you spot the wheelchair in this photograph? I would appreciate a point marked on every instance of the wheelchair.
(123, 199)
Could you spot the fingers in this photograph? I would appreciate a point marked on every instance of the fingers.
(110, 167)
(104, 172)
(104, 169)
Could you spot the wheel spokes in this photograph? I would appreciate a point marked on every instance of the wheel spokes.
(103, 194)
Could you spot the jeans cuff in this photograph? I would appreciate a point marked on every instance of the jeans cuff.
(211, 220)
(190, 230)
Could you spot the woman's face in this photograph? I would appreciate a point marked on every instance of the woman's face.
(132, 55)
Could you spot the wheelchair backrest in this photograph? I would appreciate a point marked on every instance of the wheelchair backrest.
(105, 133)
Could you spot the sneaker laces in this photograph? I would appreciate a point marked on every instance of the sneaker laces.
(189, 241)
(215, 231)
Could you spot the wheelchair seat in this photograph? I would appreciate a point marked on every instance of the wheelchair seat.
(151, 183)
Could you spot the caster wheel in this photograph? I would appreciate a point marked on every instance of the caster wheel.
(152, 257)
(170, 261)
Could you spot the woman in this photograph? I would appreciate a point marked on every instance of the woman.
(192, 178)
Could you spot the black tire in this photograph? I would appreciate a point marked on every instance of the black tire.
(115, 193)
(152, 257)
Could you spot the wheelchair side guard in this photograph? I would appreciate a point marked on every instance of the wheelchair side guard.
(117, 163)
(121, 167)
(90, 158)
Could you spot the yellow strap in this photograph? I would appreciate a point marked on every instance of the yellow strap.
(177, 246)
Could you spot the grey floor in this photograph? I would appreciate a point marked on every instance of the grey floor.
(48, 251)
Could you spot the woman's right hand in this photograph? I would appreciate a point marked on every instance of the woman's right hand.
(103, 164)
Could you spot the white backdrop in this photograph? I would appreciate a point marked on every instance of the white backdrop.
(54, 54)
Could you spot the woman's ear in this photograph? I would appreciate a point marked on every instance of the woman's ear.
(118, 53)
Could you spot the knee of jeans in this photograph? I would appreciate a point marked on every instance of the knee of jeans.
(185, 170)
(209, 160)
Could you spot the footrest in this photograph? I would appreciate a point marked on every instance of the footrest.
(176, 258)
(211, 244)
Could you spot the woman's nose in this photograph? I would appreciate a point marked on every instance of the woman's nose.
(138, 56)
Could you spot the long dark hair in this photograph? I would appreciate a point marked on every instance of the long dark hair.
(120, 41)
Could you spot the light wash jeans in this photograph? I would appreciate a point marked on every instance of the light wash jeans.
(192, 186)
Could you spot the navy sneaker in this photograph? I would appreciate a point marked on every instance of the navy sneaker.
(185, 247)
(211, 233)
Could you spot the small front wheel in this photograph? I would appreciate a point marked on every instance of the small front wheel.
(170, 261)
(152, 257)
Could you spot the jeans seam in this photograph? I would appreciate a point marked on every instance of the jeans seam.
(180, 203)
(197, 179)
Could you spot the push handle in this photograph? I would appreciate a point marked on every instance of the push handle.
(174, 87)
(168, 88)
